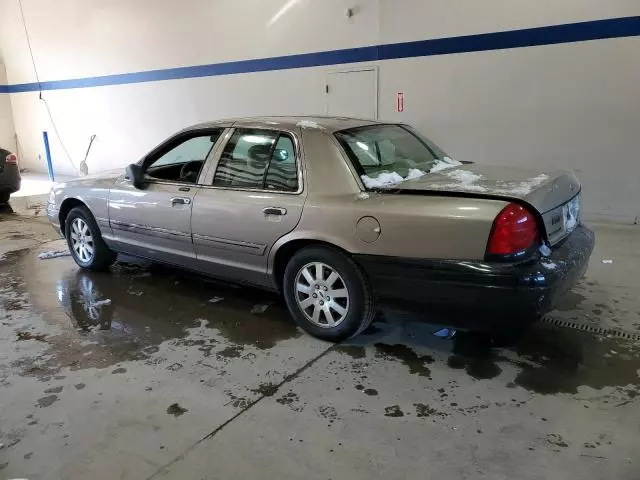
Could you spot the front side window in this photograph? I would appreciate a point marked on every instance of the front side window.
(184, 161)
(389, 154)
(258, 159)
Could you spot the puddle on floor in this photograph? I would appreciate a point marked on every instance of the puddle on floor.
(89, 319)
(547, 359)
(82, 319)
(559, 360)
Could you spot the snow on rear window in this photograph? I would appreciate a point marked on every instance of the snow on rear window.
(390, 178)
(443, 164)
(382, 180)
(389, 154)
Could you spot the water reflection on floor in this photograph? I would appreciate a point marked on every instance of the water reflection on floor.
(137, 306)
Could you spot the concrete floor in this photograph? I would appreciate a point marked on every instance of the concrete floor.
(181, 377)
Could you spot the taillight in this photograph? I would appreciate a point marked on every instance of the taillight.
(514, 231)
(11, 159)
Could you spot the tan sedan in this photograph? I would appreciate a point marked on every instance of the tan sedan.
(336, 213)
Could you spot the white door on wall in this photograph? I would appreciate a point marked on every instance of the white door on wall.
(353, 93)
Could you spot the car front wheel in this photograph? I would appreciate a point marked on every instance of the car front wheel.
(327, 294)
(85, 242)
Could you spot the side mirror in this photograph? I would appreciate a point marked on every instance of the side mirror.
(134, 173)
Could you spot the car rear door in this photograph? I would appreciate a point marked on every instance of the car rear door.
(252, 196)
(154, 221)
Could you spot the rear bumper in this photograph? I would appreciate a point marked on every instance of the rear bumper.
(477, 294)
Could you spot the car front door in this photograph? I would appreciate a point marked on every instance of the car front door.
(154, 221)
(252, 197)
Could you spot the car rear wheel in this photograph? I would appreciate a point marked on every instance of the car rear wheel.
(4, 197)
(85, 242)
(327, 294)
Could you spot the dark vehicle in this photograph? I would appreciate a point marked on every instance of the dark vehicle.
(9, 175)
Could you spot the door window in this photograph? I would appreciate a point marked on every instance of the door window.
(258, 159)
(282, 173)
(184, 161)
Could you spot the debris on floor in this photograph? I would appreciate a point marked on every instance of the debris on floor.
(54, 254)
(259, 308)
(176, 410)
(445, 333)
(40, 337)
(607, 261)
(216, 299)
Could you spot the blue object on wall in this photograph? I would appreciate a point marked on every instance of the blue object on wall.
(47, 151)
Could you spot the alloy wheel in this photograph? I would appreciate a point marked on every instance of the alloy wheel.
(322, 295)
(82, 240)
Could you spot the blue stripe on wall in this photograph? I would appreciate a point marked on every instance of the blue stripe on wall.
(567, 33)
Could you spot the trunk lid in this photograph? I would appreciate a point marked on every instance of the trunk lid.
(554, 194)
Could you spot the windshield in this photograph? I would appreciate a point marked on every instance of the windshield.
(388, 154)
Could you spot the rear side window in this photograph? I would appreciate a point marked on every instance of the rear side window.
(258, 159)
(282, 173)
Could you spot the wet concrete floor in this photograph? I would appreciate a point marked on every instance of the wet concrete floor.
(149, 372)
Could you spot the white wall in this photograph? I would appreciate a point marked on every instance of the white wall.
(7, 131)
(570, 106)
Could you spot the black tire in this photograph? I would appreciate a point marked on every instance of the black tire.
(103, 256)
(4, 197)
(361, 304)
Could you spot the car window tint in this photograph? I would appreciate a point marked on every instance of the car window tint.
(256, 158)
(282, 174)
(183, 162)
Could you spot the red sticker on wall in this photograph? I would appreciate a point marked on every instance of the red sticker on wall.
(400, 102)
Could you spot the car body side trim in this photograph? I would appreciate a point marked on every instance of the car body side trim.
(227, 244)
(148, 230)
(102, 222)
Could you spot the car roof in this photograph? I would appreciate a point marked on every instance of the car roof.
(327, 123)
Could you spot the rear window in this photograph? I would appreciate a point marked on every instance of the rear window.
(388, 154)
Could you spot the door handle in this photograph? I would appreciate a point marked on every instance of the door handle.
(180, 201)
(274, 211)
